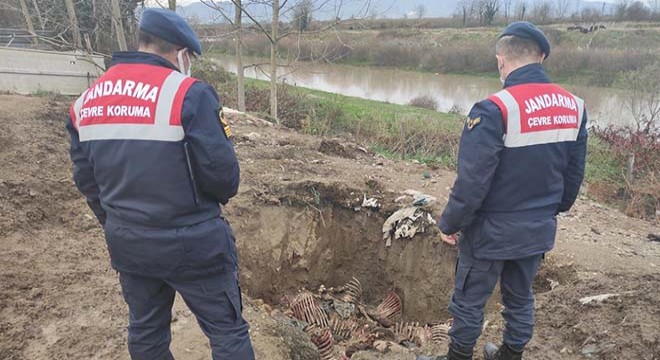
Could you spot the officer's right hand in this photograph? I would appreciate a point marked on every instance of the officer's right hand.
(449, 239)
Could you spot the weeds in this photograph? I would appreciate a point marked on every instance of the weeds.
(424, 102)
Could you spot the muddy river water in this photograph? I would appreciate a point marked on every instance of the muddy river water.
(605, 105)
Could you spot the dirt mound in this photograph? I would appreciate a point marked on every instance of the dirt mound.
(625, 326)
(299, 224)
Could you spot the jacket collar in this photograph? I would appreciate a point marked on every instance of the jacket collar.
(532, 73)
(139, 57)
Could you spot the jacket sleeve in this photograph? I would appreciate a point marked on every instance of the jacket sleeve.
(478, 158)
(574, 173)
(214, 163)
(83, 174)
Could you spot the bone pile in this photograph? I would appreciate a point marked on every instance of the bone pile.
(340, 324)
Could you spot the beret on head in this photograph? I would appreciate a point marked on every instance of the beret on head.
(167, 25)
(527, 30)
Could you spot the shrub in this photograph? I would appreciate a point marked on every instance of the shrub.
(424, 102)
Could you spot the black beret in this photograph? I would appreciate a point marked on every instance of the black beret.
(167, 25)
(527, 30)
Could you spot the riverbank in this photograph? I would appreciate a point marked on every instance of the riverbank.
(405, 132)
(594, 59)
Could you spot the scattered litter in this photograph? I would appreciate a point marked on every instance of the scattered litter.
(400, 198)
(253, 136)
(370, 203)
(419, 198)
(406, 223)
(597, 299)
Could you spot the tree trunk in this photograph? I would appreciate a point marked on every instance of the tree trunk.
(41, 18)
(273, 59)
(119, 26)
(240, 70)
(172, 4)
(73, 19)
(28, 21)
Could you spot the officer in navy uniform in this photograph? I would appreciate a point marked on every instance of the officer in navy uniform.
(153, 159)
(521, 162)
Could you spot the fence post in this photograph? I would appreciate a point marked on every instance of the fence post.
(630, 178)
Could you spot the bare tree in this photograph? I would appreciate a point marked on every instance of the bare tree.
(274, 42)
(28, 21)
(542, 11)
(240, 69)
(522, 10)
(637, 11)
(561, 8)
(119, 26)
(274, 34)
(35, 6)
(488, 10)
(73, 20)
(421, 11)
(643, 96)
(172, 4)
(464, 10)
(302, 15)
(507, 8)
(621, 9)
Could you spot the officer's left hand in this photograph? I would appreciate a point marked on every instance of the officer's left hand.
(449, 239)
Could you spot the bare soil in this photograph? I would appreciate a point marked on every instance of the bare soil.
(299, 225)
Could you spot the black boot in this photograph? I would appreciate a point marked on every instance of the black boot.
(455, 353)
(504, 352)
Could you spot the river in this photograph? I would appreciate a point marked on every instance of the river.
(605, 105)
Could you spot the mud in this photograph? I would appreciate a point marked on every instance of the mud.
(297, 227)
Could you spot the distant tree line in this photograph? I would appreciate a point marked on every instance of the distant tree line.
(487, 12)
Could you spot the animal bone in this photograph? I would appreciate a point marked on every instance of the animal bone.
(440, 333)
(305, 308)
(389, 311)
(323, 341)
(352, 291)
(342, 329)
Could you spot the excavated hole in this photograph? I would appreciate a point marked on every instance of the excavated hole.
(286, 249)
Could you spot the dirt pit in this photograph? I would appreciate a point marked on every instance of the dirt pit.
(307, 247)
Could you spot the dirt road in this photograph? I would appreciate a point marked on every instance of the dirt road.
(297, 226)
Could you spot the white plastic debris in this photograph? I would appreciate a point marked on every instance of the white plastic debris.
(597, 299)
(406, 223)
(370, 203)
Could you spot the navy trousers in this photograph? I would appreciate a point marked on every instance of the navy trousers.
(474, 284)
(214, 299)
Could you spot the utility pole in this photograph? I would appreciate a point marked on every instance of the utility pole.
(119, 26)
(28, 21)
(73, 19)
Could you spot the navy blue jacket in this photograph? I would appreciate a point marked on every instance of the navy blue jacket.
(149, 183)
(504, 199)
(159, 200)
